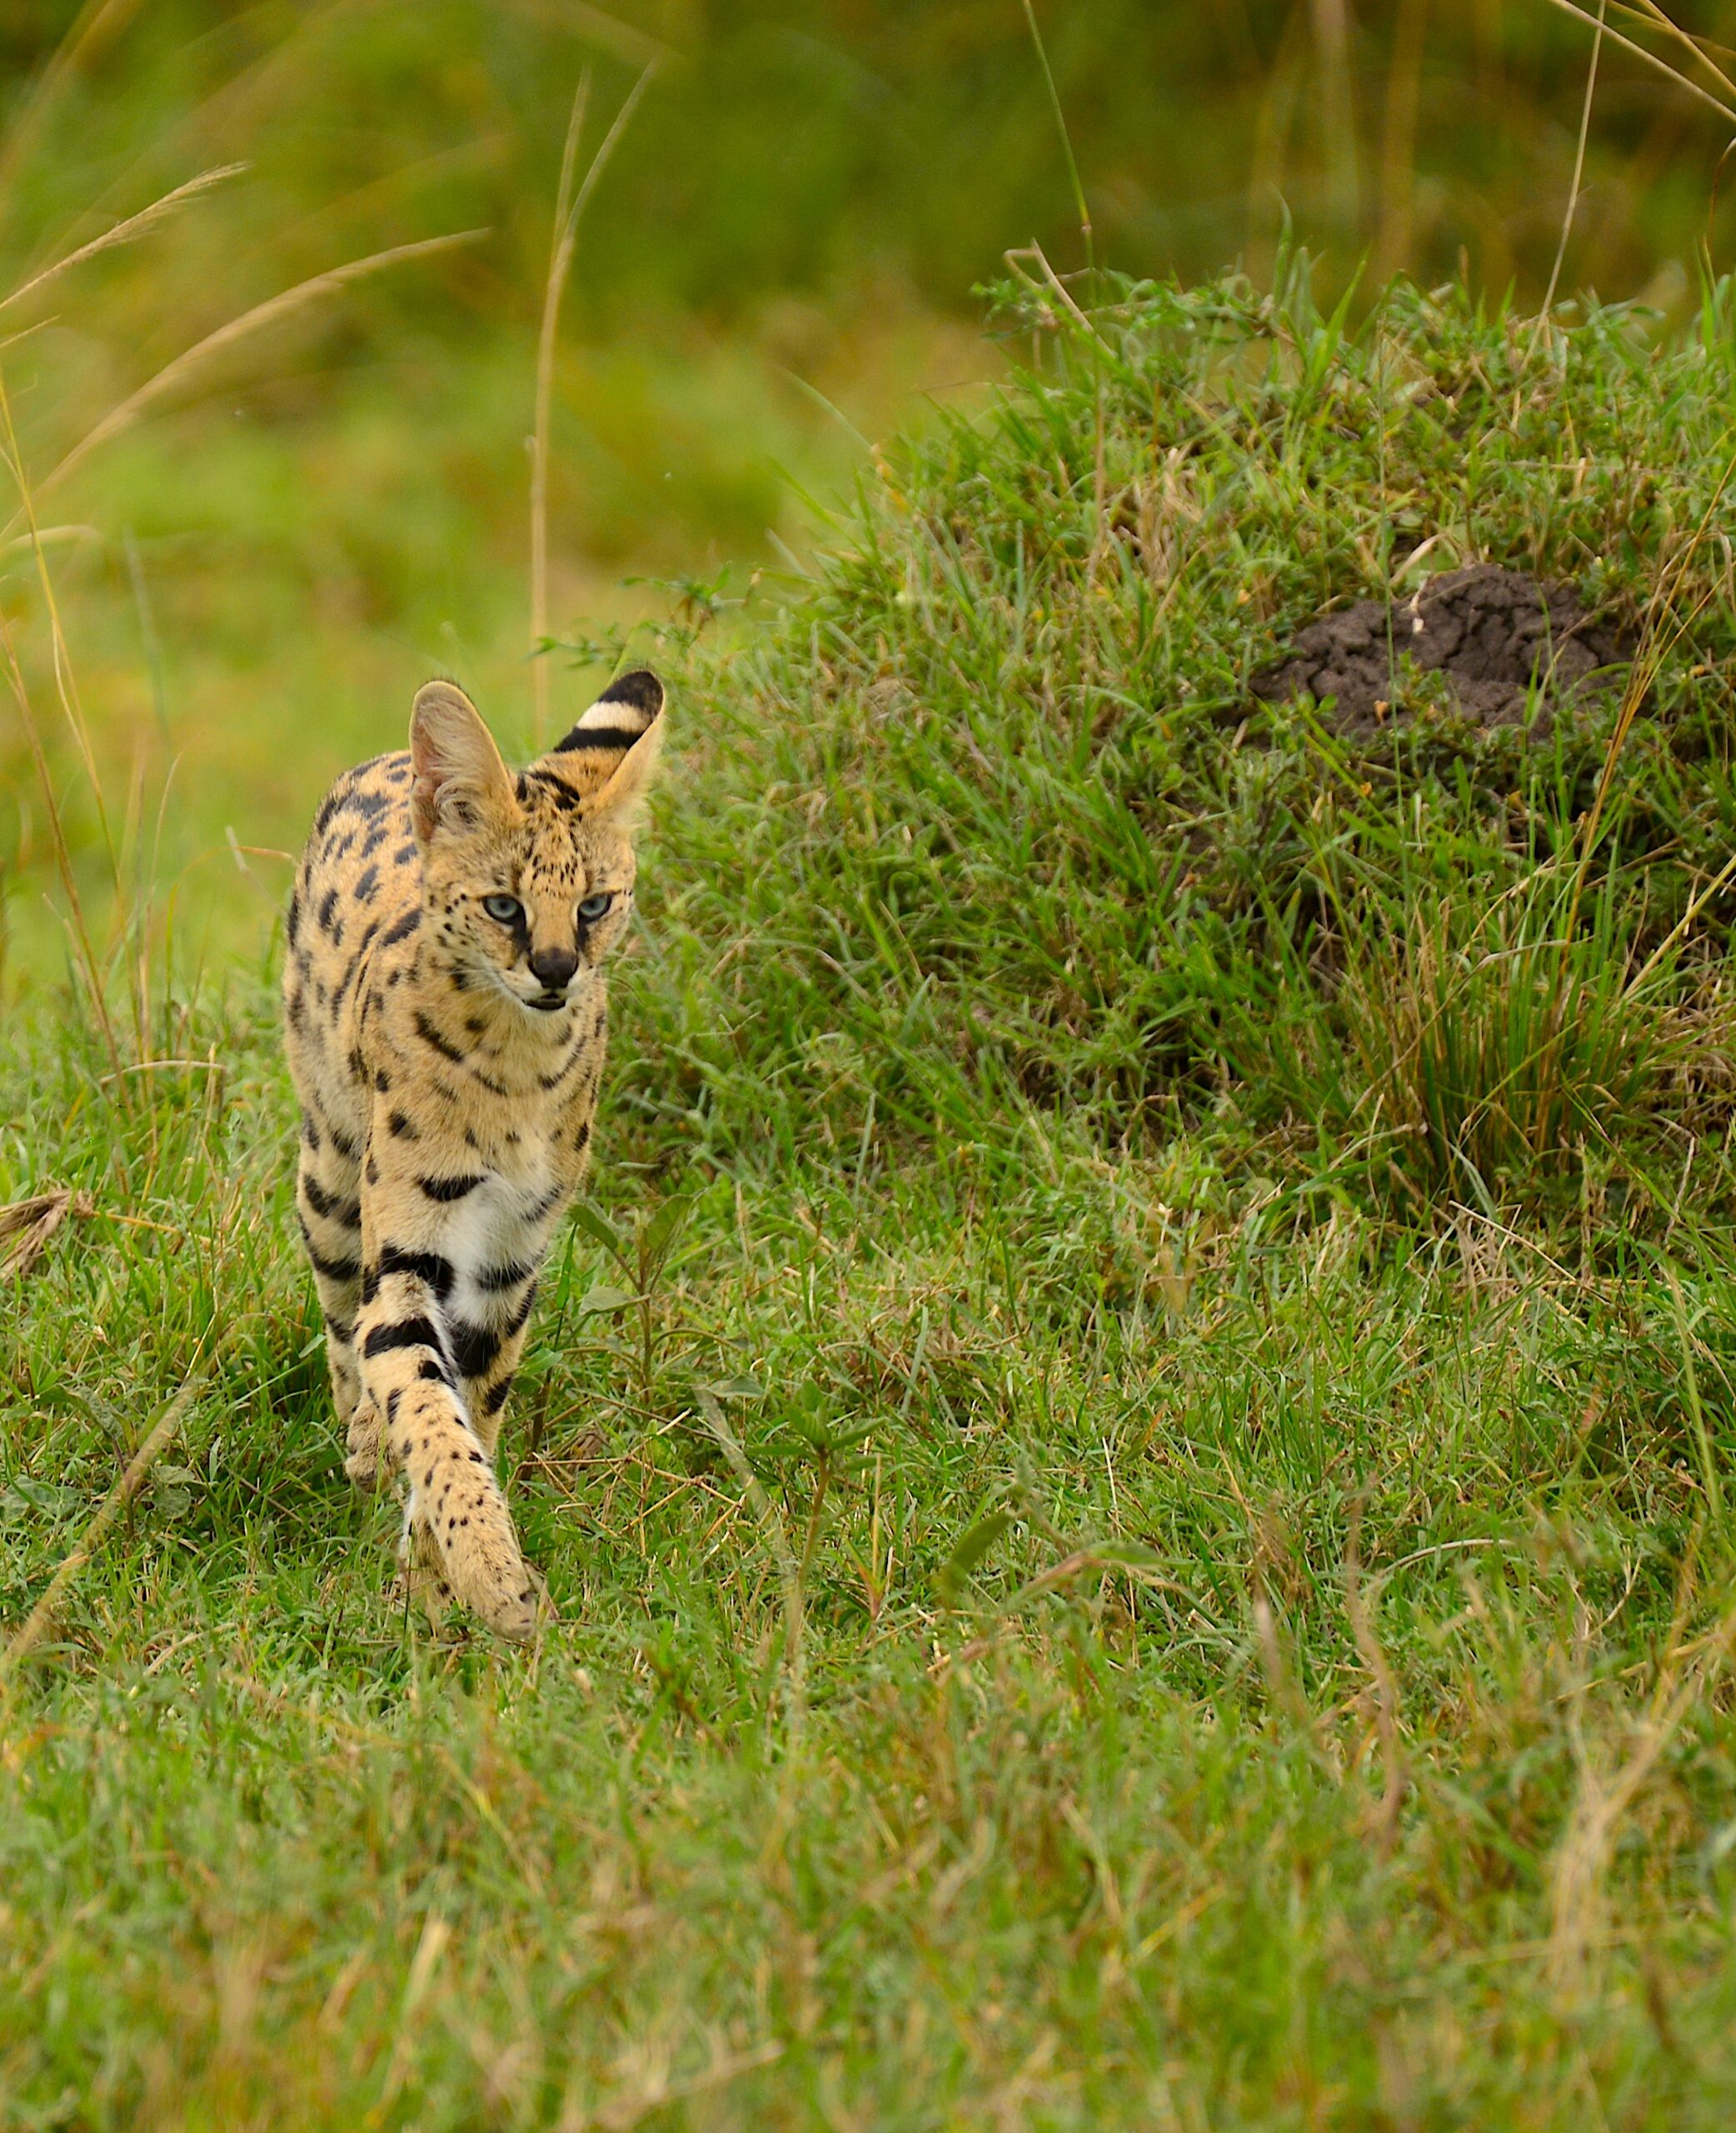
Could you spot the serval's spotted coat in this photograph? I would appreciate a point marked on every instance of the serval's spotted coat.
(445, 1016)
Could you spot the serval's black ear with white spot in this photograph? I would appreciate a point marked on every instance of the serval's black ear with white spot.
(459, 774)
(611, 756)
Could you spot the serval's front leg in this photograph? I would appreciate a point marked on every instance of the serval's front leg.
(456, 1523)
(486, 1351)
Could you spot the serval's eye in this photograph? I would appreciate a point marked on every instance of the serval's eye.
(593, 907)
(508, 909)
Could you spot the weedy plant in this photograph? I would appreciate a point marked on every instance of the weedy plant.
(642, 1254)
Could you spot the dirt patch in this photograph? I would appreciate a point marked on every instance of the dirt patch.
(1491, 634)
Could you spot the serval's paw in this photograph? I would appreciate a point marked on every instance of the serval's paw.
(479, 1554)
(365, 1447)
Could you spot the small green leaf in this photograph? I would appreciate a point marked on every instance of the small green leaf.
(94, 1408)
(734, 1388)
(816, 1437)
(604, 1298)
(972, 1547)
(664, 1225)
(45, 1495)
(599, 1229)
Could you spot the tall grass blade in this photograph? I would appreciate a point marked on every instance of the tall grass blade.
(130, 231)
(1578, 176)
(570, 207)
(275, 309)
(1725, 109)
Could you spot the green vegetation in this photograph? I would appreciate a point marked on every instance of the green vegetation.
(1134, 1448)
(1155, 1549)
(314, 517)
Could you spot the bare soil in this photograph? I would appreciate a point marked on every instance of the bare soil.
(1504, 641)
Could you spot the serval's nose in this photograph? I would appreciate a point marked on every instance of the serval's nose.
(552, 967)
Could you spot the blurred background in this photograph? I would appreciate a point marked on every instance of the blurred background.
(774, 274)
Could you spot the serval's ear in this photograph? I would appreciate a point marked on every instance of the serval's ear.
(610, 757)
(459, 774)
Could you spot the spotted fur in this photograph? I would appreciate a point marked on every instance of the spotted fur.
(447, 1061)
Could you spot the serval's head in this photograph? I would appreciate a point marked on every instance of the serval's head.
(528, 879)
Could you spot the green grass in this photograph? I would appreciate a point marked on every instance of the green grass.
(1160, 1552)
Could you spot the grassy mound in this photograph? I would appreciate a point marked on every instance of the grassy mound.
(996, 804)
(1151, 1543)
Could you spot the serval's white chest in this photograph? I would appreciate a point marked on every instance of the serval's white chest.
(499, 1231)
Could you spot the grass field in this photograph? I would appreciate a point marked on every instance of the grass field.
(1135, 1445)
(1157, 1550)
